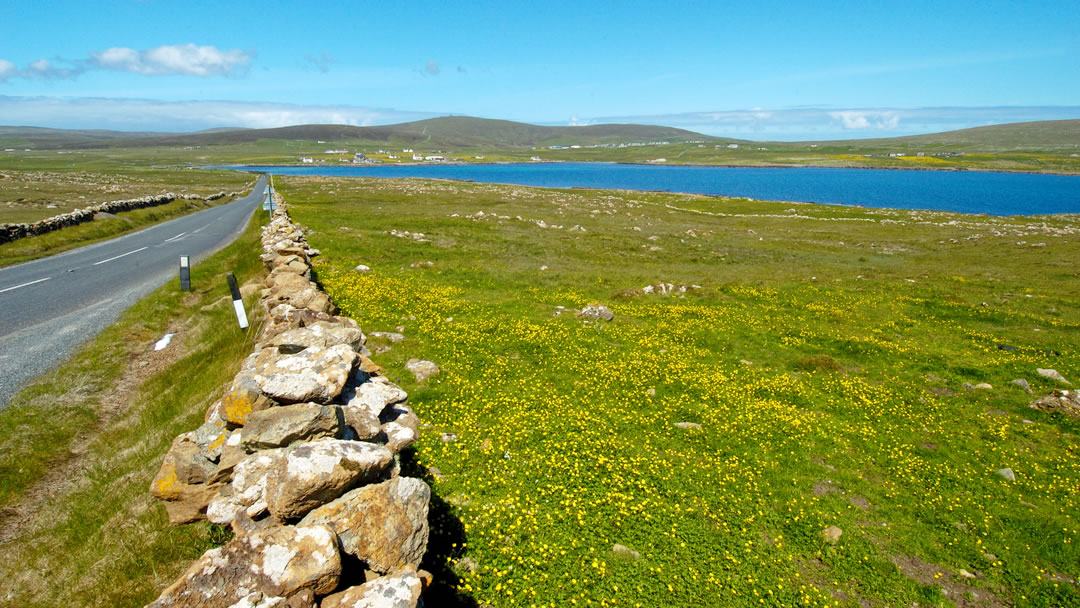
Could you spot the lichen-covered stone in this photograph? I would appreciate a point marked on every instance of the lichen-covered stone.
(314, 473)
(383, 524)
(313, 374)
(372, 393)
(282, 561)
(321, 333)
(247, 488)
(281, 426)
(400, 589)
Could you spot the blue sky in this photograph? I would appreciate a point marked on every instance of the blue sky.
(756, 70)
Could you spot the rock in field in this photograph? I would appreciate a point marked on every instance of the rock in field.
(1053, 375)
(688, 426)
(312, 474)
(281, 561)
(422, 369)
(384, 524)
(596, 312)
(1007, 473)
(832, 534)
(1059, 402)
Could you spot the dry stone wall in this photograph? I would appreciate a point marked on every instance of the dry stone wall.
(11, 232)
(300, 458)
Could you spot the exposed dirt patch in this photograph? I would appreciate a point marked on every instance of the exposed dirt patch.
(953, 586)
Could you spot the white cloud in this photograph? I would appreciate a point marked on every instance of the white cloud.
(432, 67)
(180, 59)
(146, 115)
(864, 119)
(7, 70)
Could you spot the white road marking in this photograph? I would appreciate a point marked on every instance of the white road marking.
(120, 256)
(194, 231)
(175, 237)
(24, 284)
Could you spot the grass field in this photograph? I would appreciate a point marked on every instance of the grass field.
(29, 195)
(48, 188)
(823, 351)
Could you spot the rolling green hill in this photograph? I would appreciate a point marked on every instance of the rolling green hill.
(1043, 135)
(459, 131)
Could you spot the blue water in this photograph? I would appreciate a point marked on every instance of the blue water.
(963, 191)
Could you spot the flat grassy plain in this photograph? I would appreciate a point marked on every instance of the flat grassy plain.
(823, 351)
(29, 195)
(35, 187)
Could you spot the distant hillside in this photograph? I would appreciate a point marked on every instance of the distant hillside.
(40, 137)
(1046, 134)
(448, 132)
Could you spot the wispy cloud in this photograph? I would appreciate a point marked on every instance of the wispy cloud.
(180, 59)
(432, 68)
(321, 61)
(7, 70)
(842, 123)
(140, 114)
(169, 60)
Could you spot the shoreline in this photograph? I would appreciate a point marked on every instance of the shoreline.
(669, 164)
(253, 168)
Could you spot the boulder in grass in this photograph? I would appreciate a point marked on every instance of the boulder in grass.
(1053, 374)
(422, 369)
(596, 312)
(399, 589)
(383, 524)
(313, 374)
(1059, 402)
(315, 473)
(279, 562)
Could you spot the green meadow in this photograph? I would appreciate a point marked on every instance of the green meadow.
(827, 358)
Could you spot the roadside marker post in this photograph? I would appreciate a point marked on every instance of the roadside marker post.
(185, 273)
(238, 302)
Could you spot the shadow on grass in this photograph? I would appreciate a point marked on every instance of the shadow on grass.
(445, 542)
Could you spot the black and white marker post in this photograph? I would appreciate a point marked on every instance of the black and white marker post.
(185, 273)
(238, 302)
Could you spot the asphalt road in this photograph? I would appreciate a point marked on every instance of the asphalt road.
(52, 305)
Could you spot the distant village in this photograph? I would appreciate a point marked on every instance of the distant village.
(439, 156)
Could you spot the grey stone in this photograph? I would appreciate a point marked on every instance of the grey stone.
(384, 524)
(422, 369)
(281, 561)
(280, 426)
(313, 374)
(317, 472)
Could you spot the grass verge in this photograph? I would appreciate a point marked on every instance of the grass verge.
(79, 446)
